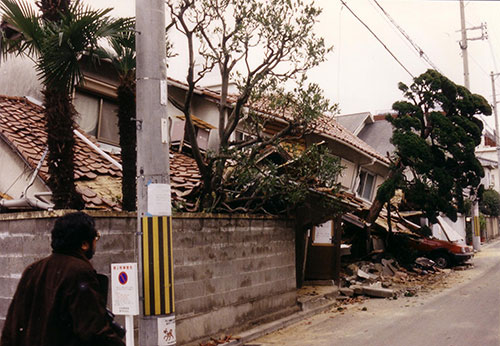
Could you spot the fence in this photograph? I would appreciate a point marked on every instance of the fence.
(229, 271)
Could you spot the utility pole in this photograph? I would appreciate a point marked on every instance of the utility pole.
(476, 237)
(497, 133)
(464, 42)
(154, 247)
(463, 45)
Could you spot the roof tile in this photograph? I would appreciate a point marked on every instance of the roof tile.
(99, 181)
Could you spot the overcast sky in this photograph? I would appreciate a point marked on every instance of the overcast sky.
(360, 75)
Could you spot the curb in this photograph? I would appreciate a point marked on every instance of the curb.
(270, 327)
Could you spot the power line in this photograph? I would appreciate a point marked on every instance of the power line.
(419, 50)
(378, 39)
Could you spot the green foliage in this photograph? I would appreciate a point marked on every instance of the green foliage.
(261, 46)
(490, 203)
(482, 222)
(56, 38)
(255, 182)
(435, 134)
(58, 45)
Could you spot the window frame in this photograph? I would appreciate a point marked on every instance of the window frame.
(100, 98)
(362, 184)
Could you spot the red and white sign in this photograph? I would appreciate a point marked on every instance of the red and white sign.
(124, 289)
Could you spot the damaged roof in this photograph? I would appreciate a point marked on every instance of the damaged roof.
(97, 179)
(22, 128)
(326, 125)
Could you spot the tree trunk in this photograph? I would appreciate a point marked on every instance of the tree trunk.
(389, 186)
(59, 114)
(128, 141)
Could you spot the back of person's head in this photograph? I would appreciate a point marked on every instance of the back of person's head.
(71, 230)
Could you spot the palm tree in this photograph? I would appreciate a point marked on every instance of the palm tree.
(123, 57)
(56, 40)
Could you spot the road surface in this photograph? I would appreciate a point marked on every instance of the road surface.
(465, 312)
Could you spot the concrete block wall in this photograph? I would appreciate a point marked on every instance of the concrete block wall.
(491, 230)
(25, 238)
(229, 272)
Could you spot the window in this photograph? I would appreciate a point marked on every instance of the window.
(365, 187)
(97, 116)
(179, 132)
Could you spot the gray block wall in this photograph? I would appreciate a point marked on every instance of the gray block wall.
(229, 271)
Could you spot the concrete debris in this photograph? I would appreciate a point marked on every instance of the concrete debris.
(376, 285)
(349, 292)
(387, 279)
(358, 289)
(388, 267)
(362, 274)
(378, 292)
(425, 263)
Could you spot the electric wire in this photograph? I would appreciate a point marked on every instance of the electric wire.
(15, 180)
(419, 50)
(378, 39)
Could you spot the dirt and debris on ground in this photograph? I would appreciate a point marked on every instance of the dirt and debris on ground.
(222, 339)
(388, 279)
(384, 278)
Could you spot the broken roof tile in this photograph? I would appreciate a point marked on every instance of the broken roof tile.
(21, 125)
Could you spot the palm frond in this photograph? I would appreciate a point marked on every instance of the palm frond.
(121, 51)
(21, 17)
(78, 32)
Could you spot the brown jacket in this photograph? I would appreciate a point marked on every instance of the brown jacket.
(58, 303)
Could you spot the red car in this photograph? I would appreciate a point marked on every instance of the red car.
(444, 253)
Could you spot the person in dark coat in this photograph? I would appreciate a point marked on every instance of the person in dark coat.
(59, 300)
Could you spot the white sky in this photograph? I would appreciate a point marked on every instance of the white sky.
(360, 75)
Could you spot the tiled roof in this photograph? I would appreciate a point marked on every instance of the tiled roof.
(326, 125)
(22, 127)
(184, 176)
(329, 126)
(99, 182)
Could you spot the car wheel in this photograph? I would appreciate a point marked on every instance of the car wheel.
(442, 260)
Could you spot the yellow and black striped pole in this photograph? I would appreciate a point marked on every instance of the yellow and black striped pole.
(157, 265)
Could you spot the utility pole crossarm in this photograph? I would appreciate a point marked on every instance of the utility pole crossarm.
(463, 42)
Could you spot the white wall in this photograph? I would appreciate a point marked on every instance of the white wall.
(346, 179)
(14, 174)
(208, 112)
(18, 78)
(457, 227)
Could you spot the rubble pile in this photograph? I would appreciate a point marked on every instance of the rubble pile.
(388, 279)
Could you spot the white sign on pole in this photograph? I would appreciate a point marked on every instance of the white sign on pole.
(159, 200)
(166, 331)
(124, 289)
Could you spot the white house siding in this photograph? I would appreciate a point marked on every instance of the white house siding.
(346, 178)
(378, 182)
(208, 112)
(15, 174)
(18, 78)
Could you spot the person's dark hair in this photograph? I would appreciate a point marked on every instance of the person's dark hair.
(71, 230)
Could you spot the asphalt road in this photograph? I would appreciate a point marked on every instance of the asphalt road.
(466, 313)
